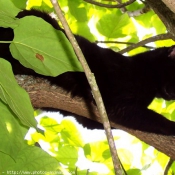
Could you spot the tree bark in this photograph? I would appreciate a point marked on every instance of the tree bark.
(170, 4)
(165, 14)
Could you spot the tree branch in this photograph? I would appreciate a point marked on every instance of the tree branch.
(121, 42)
(170, 4)
(95, 90)
(108, 5)
(165, 14)
(139, 12)
(146, 41)
(170, 162)
(42, 94)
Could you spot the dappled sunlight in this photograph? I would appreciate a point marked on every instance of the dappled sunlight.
(132, 153)
(9, 127)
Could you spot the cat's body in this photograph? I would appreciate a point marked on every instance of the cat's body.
(127, 84)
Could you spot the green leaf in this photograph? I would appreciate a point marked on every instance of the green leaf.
(82, 29)
(8, 11)
(126, 156)
(86, 172)
(50, 124)
(11, 135)
(68, 155)
(43, 48)
(20, 4)
(79, 12)
(71, 134)
(13, 95)
(134, 172)
(157, 24)
(5, 162)
(32, 159)
(92, 151)
(107, 28)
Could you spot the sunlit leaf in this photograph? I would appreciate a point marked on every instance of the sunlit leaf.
(68, 155)
(78, 11)
(126, 156)
(31, 3)
(106, 25)
(93, 152)
(71, 133)
(51, 125)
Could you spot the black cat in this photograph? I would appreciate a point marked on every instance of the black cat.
(127, 84)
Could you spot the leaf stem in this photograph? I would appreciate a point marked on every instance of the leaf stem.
(5, 41)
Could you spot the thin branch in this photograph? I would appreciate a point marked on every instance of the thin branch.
(120, 42)
(148, 40)
(91, 79)
(170, 162)
(170, 4)
(123, 9)
(139, 12)
(108, 5)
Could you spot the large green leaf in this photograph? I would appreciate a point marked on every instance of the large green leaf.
(112, 25)
(11, 135)
(68, 129)
(5, 161)
(13, 95)
(8, 11)
(37, 45)
(68, 155)
(34, 160)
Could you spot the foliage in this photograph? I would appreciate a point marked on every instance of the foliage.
(65, 141)
(63, 138)
(16, 155)
(26, 47)
(20, 105)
